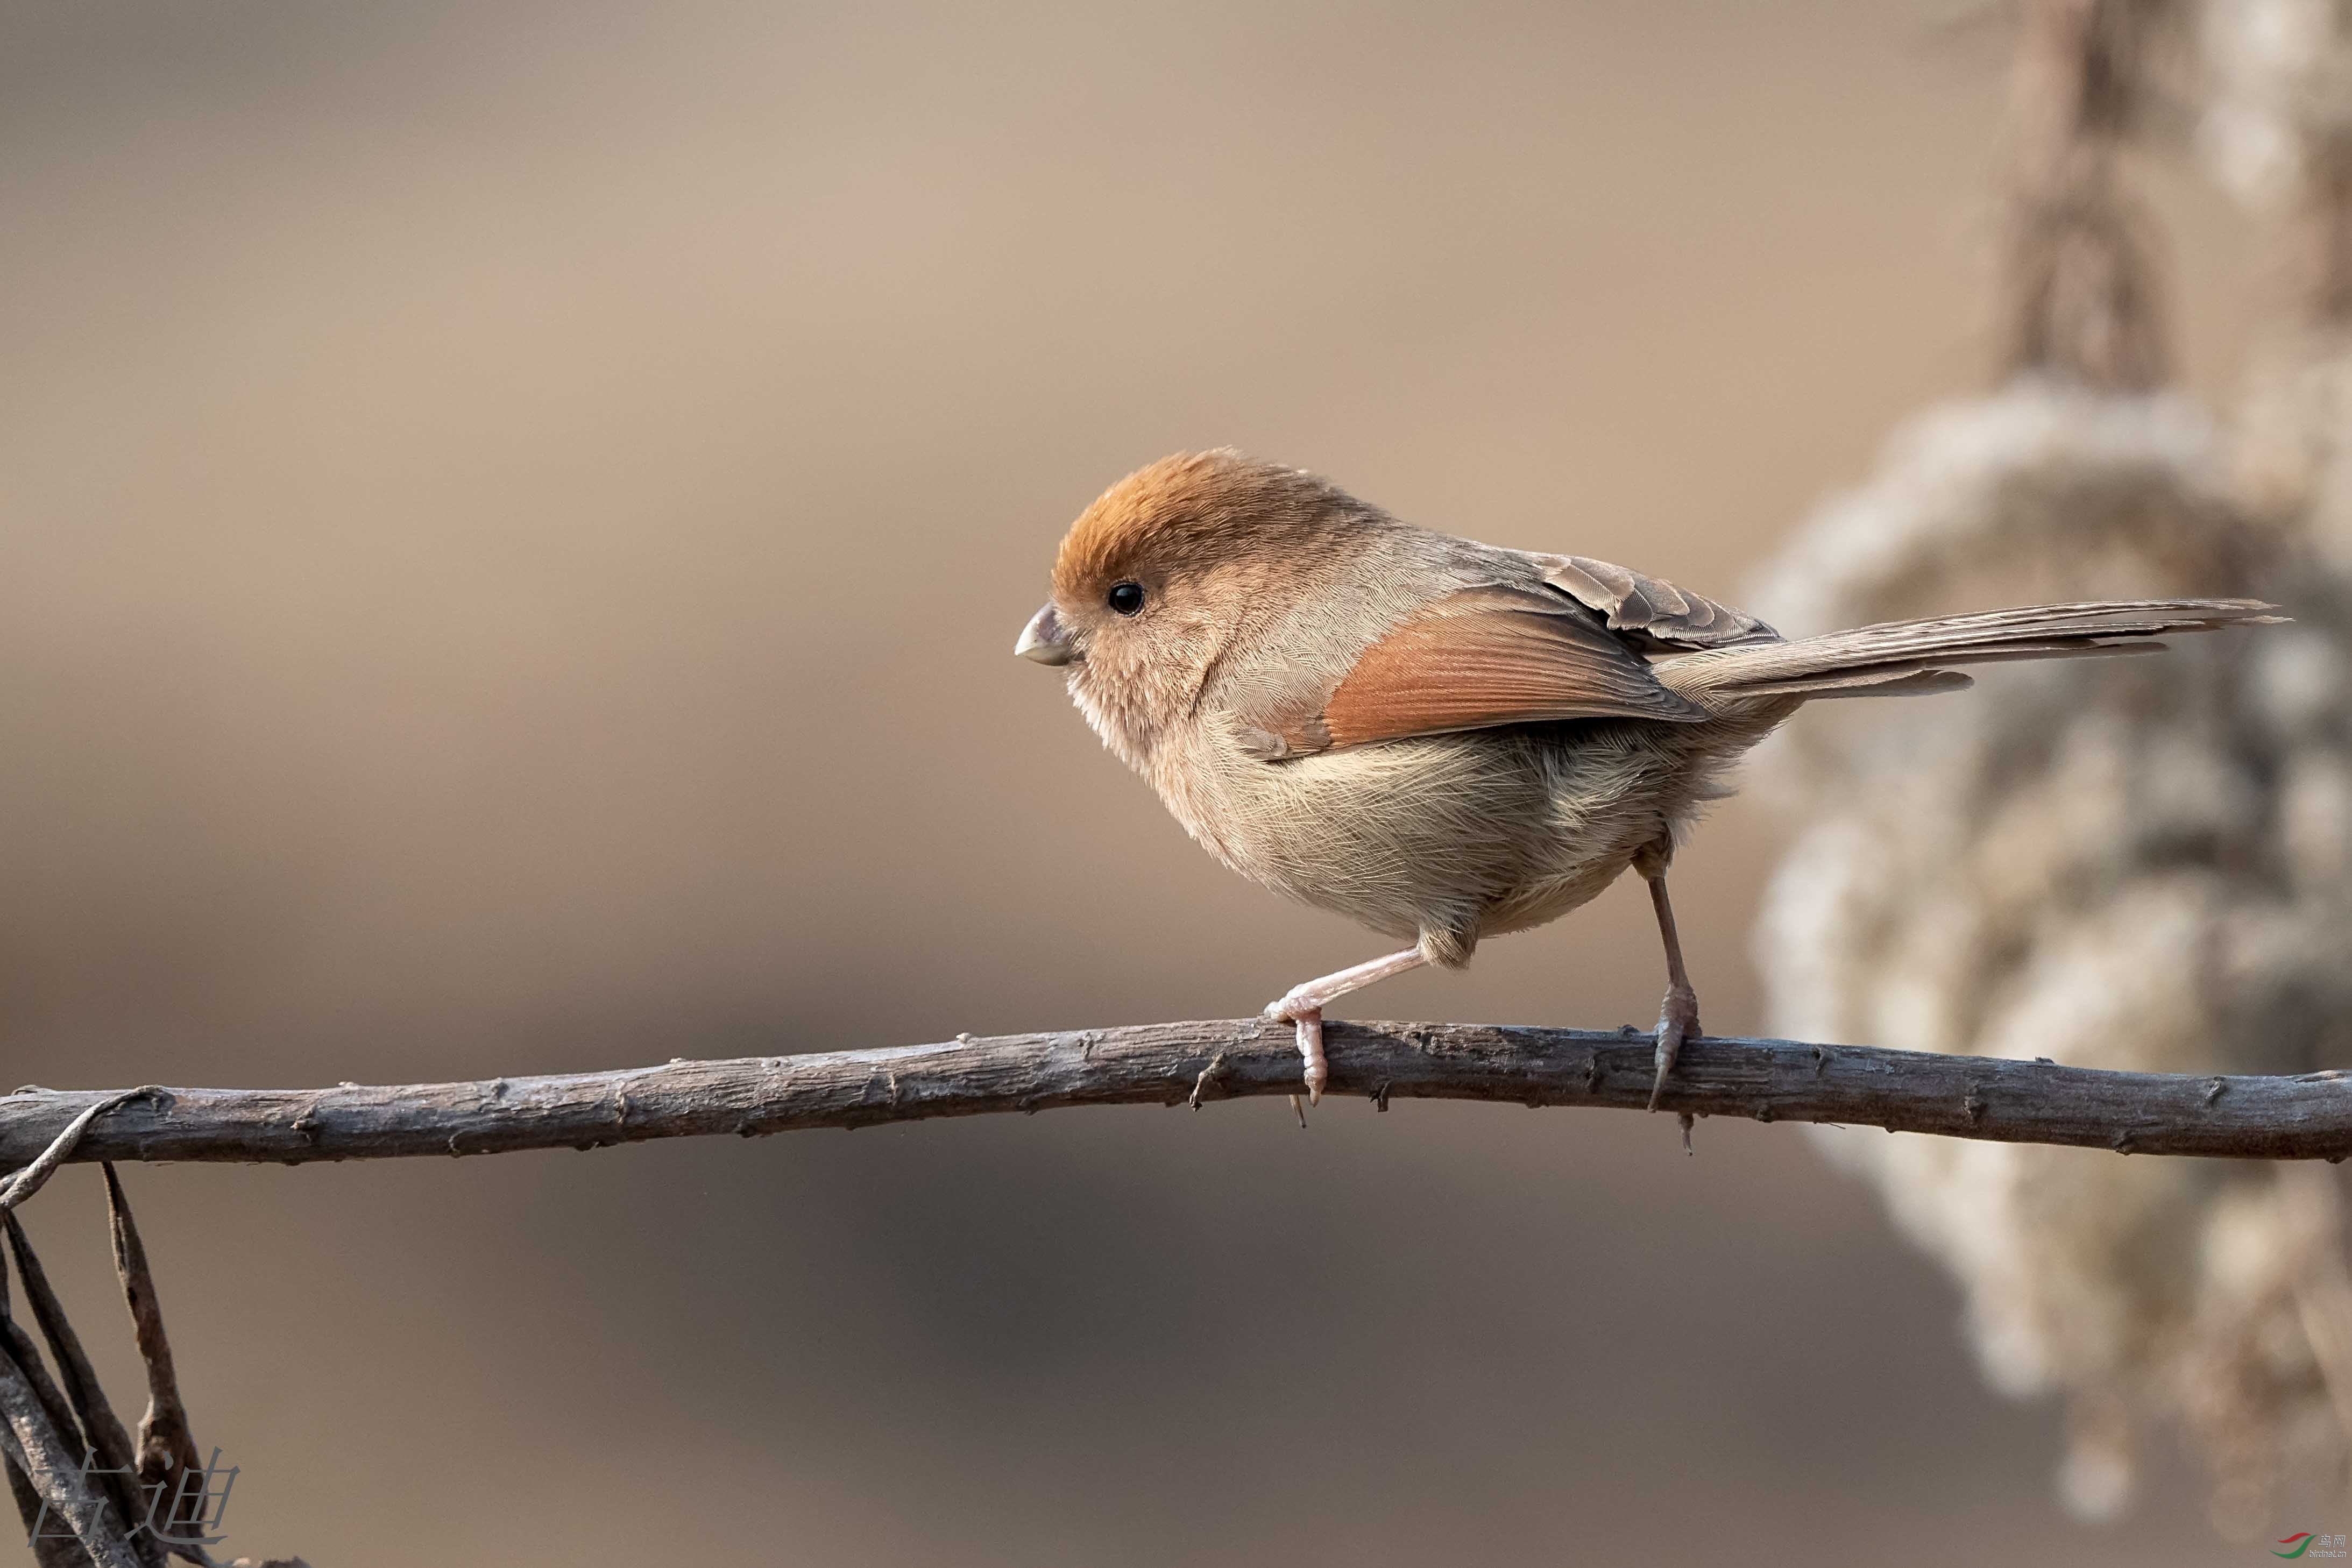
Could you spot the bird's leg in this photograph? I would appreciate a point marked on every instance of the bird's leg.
(1303, 1006)
(1678, 1016)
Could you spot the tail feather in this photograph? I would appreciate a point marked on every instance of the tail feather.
(1907, 657)
(1866, 683)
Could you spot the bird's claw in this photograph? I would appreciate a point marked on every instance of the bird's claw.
(1309, 1022)
(1677, 1021)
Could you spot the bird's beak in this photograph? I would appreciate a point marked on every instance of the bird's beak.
(1045, 641)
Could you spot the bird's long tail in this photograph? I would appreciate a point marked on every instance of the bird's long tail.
(1904, 657)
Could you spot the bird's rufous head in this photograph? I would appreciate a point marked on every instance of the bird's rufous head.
(1167, 570)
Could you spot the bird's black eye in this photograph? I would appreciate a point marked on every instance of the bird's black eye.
(1127, 598)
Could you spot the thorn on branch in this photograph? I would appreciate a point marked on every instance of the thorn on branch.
(1208, 1075)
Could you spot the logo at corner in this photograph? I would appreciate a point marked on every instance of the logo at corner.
(2297, 1544)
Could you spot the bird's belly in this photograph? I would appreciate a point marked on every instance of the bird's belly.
(1479, 833)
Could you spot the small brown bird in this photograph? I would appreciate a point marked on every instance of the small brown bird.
(1448, 741)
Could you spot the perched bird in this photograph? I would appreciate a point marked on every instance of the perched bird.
(1446, 740)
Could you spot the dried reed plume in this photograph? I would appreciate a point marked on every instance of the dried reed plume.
(2144, 865)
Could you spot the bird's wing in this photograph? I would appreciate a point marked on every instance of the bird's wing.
(1479, 658)
(1650, 611)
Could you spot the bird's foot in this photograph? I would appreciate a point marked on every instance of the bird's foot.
(1309, 1022)
(1677, 1021)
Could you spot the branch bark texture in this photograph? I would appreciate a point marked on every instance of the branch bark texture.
(2306, 1117)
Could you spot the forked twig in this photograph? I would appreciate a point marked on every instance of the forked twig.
(36, 1174)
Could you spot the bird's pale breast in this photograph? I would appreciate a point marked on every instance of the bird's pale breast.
(1474, 833)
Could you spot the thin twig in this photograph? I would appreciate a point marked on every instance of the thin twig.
(167, 1452)
(33, 1442)
(43, 1165)
(101, 1430)
(2307, 1117)
(48, 1551)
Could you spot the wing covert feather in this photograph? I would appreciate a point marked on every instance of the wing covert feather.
(1650, 608)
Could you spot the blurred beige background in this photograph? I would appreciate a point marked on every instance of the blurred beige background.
(514, 522)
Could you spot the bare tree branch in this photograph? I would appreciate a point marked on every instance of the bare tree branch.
(2307, 1117)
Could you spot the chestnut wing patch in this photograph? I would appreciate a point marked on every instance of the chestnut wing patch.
(1488, 657)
